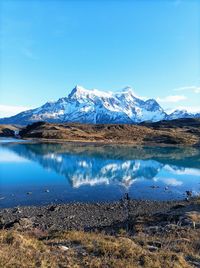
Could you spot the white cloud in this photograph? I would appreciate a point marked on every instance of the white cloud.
(172, 98)
(6, 156)
(183, 171)
(172, 182)
(194, 89)
(9, 110)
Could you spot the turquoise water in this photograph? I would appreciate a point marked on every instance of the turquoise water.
(88, 173)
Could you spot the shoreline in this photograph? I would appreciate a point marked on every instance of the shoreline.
(97, 143)
(156, 237)
(108, 216)
(163, 133)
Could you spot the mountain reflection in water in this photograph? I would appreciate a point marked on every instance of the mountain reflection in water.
(109, 166)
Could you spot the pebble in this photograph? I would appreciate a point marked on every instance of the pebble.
(178, 206)
(64, 248)
(17, 210)
(53, 208)
(89, 216)
(26, 222)
(195, 263)
(157, 244)
(2, 221)
(154, 186)
(189, 193)
(152, 248)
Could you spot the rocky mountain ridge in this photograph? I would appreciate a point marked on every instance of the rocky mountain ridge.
(97, 107)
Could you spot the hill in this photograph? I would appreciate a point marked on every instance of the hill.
(175, 132)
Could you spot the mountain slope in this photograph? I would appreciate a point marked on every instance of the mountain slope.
(178, 114)
(97, 107)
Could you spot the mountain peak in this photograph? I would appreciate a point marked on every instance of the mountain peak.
(95, 106)
(128, 89)
(76, 90)
(80, 92)
(79, 88)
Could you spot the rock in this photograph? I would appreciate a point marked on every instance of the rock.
(26, 223)
(11, 224)
(195, 263)
(53, 208)
(126, 196)
(71, 217)
(181, 240)
(185, 222)
(157, 244)
(152, 248)
(2, 221)
(153, 229)
(178, 206)
(171, 226)
(16, 210)
(189, 193)
(39, 215)
(64, 248)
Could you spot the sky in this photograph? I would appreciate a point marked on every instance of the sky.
(48, 47)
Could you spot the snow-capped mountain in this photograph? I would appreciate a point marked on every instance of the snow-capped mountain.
(182, 114)
(95, 106)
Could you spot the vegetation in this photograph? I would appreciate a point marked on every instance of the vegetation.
(177, 132)
(176, 248)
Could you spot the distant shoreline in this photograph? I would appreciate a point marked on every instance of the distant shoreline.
(180, 132)
(96, 143)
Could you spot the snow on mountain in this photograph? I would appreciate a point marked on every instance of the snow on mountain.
(95, 106)
(81, 170)
(182, 114)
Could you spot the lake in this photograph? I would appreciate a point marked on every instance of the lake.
(43, 173)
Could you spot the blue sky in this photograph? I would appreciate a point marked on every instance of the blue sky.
(47, 47)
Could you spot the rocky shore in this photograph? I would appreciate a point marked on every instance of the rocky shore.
(128, 233)
(95, 216)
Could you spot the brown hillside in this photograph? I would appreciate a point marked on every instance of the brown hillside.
(174, 132)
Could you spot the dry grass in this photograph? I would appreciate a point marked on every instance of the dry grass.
(116, 133)
(7, 130)
(176, 249)
(24, 250)
(154, 244)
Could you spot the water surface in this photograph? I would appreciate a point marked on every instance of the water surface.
(88, 173)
